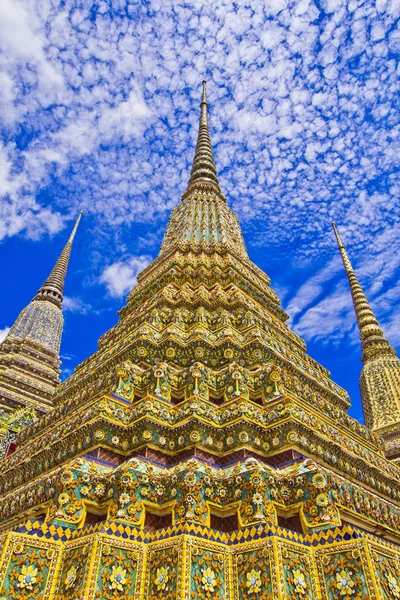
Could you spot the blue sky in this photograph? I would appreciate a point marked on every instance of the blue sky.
(99, 112)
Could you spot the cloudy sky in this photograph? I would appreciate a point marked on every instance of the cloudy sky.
(99, 111)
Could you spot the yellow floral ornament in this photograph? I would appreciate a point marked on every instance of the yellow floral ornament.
(28, 577)
(319, 481)
(190, 479)
(118, 578)
(195, 436)
(18, 548)
(63, 498)
(124, 498)
(299, 581)
(70, 578)
(394, 586)
(161, 578)
(208, 580)
(253, 582)
(322, 500)
(344, 583)
(257, 498)
(67, 477)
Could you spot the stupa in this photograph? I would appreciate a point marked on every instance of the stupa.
(30, 354)
(200, 453)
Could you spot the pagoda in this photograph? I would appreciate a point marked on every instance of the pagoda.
(380, 375)
(30, 354)
(200, 453)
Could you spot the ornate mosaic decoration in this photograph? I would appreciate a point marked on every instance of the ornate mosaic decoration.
(200, 453)
(11, 423)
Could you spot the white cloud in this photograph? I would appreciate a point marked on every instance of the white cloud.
(120, 277)
(391, 330)
(22, 41)
(67, 357)
(313, 288)
(119, 78)
(76, 305)
(331, 320)
(3, 333)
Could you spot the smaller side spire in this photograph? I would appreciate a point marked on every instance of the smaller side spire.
(53, 288)
(380, 375)
(30, 353)
(374, 343)
(203, 167)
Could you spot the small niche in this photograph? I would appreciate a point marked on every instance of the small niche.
(107, 455)
(11, 449)
(292, 523)
(218, 400)
(39, 516)
(95, 517)
(258, 401)
(284, 458)
(154, 522)
(176, 400)
(227, 522)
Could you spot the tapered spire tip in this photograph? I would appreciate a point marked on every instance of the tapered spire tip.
(204, 95)
(53, 288)
(339, 241)
(203, 167)
(373, 342)
(74, 230)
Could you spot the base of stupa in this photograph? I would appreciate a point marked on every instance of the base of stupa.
(113, 560)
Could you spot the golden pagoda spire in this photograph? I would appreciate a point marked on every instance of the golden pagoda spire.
(203, 168)
(29, 355)
(380, 375)
(53, 288)
(374, 343)
(203, 220)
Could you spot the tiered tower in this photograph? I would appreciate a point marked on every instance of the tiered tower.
(200, 453)
(380, 375)
(30, 353)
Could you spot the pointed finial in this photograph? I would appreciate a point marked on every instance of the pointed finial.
(345, 258)
(204, 96)
(203, 167)
(74, 230)
(373, 342)
(53, 288)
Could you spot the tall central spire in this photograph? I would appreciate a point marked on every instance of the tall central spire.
(202, 220)
(203, 167)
